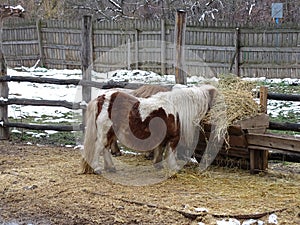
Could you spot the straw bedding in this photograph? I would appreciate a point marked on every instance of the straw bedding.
(40, 185)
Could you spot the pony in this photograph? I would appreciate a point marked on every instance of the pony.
(144, 91)
(143, 124)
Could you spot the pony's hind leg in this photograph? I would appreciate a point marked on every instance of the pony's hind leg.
(108, 163)
(171, 159)
(115, 150)
(158, 157)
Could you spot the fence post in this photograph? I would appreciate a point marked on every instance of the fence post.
(163, 47)
(180, 26)
(136, 46)
(128, 53)
(237, 51)
(86, 59)
(40, 41)
(4, 131)
(263, 98)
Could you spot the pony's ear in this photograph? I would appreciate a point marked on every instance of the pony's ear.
(212, 91)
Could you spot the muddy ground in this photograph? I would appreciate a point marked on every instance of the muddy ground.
(41, 185)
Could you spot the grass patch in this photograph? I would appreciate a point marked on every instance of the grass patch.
(62, 138)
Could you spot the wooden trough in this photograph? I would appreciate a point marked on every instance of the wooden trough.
(249, 144)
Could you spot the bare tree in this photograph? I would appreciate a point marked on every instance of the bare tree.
(197, 10)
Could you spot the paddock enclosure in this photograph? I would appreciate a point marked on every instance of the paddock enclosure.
(40, 185)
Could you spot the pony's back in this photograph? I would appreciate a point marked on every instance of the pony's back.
(148, 90)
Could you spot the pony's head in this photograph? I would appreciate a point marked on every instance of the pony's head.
(212, 93)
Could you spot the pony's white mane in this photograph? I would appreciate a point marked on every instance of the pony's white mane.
(191, 104)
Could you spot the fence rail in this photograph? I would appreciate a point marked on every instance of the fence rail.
(148, 45)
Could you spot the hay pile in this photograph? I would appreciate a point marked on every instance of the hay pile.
(235, 101)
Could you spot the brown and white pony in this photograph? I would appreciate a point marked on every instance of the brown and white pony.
(144, 91)
(143, 124)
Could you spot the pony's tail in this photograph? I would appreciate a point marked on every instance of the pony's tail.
(90, 138)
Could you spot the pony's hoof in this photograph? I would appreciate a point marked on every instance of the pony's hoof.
(116, 154)
(158, 166)
(98, 172)
(111, 170)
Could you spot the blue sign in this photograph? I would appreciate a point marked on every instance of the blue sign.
(277, 10)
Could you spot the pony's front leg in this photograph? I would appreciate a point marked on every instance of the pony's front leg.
(95, 164)
(171, 159)
(108, 163)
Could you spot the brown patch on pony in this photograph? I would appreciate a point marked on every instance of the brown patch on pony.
(100, 102)
(121, 103)
(140, 128)
(144, 91)
(126, 109)
(128, 121)
(148, 90)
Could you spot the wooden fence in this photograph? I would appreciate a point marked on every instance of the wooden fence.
(209, 49)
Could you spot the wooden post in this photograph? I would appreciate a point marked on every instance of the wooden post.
(237, 51)
(136, 46)
(263, 98)
(4, 131)
(128, 54)
(163, 47)
(5, 13)
(258, 160)
(40, 41)
(180, 75)
(86, 59)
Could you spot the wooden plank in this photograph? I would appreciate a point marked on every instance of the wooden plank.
(231, 152)
(60, 30)
(271, 49)
(27, 42)
(44, 126)
(274, 142)
(36, 102)
(269, 66)
(209, 48)
(234, 141)
(259, 121)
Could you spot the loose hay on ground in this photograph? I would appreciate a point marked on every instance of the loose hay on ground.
(61, 196)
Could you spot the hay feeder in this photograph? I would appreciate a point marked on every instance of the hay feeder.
(237, 152)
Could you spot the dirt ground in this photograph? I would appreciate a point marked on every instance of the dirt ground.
(41, 185)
